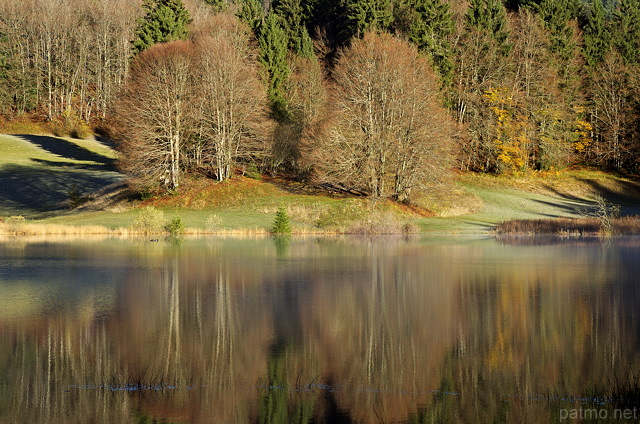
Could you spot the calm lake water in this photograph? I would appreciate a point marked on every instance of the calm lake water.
(314, 330)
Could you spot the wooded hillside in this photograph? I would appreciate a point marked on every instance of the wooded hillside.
(378, 96)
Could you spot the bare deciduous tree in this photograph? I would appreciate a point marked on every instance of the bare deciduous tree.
(156, 113)
(233, 105)
(389, 134)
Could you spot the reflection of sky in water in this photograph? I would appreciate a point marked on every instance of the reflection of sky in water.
(422, 329)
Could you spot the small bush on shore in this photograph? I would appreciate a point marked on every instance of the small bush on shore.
(15, 224)
(149, 221)
(214, 223)
(382, 222)
(175, 227)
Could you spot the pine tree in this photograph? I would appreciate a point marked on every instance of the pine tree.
(597, 37)
(273, 42)
(281, 223)
(252, 13)
(490, 16)
(164, 20)
(364, 15)
(430, 30)
(556, 14)
(293, 20)
(626, 35)
(218, 5)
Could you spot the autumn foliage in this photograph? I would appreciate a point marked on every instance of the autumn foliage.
(194, 105)
(388, 133)
(375, 96)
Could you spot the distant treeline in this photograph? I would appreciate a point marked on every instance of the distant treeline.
(378, 95)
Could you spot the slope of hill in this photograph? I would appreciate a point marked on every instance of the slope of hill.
(41, 175)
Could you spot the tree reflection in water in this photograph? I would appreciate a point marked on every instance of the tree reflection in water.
(316, 330)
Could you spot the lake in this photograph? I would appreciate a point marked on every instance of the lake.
(312, 330)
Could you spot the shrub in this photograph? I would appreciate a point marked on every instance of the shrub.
(69, 124)
(606, 213)
(150, 220)
(344, 213)
(282, 223)
(175, 227)
(75, 198)
(252, 171)
(214, 222)
(15, 224)
(381, 222)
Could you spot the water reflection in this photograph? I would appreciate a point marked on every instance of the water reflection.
(315, 330)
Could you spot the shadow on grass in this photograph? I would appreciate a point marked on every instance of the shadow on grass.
(39, 192)
(566, 207)
(628, 197)
(73, 165)
(65, 149)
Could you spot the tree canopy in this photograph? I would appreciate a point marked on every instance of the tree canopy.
(164, 20)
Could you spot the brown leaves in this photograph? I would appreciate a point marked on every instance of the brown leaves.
(389, 132)
(192, 104)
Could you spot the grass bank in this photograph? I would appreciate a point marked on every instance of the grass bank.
(69, 186)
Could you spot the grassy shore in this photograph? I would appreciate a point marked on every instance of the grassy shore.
(67, 186)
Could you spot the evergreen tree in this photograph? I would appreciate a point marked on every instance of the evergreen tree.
(273, 42)
(556, 14)
(490, 16)
(430, 31)
(515, 5)
(364, 15)
(164, 20)
(252, 13)
(330, 17)
(218, 5)
(597, 38)
(626, 31)
(293, 22)
(281, 223)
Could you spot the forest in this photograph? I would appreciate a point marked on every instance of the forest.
(378, 97)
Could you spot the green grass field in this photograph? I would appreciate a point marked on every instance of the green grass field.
(38, 173)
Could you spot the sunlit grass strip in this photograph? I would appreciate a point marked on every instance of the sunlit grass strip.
(31, 230)
(35, 229)
(629, 225)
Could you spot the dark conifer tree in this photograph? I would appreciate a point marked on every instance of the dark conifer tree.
(293, 22)
(490, 16)
(626, 31)
(556, 14)
(364, 15)
(273, 42)
(251, 12)
(218, 5)
(430, 28)
(597, 37)
(164, 20)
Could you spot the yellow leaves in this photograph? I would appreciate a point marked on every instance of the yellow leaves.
(582, 130)
(510, 129)
(498, 95)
